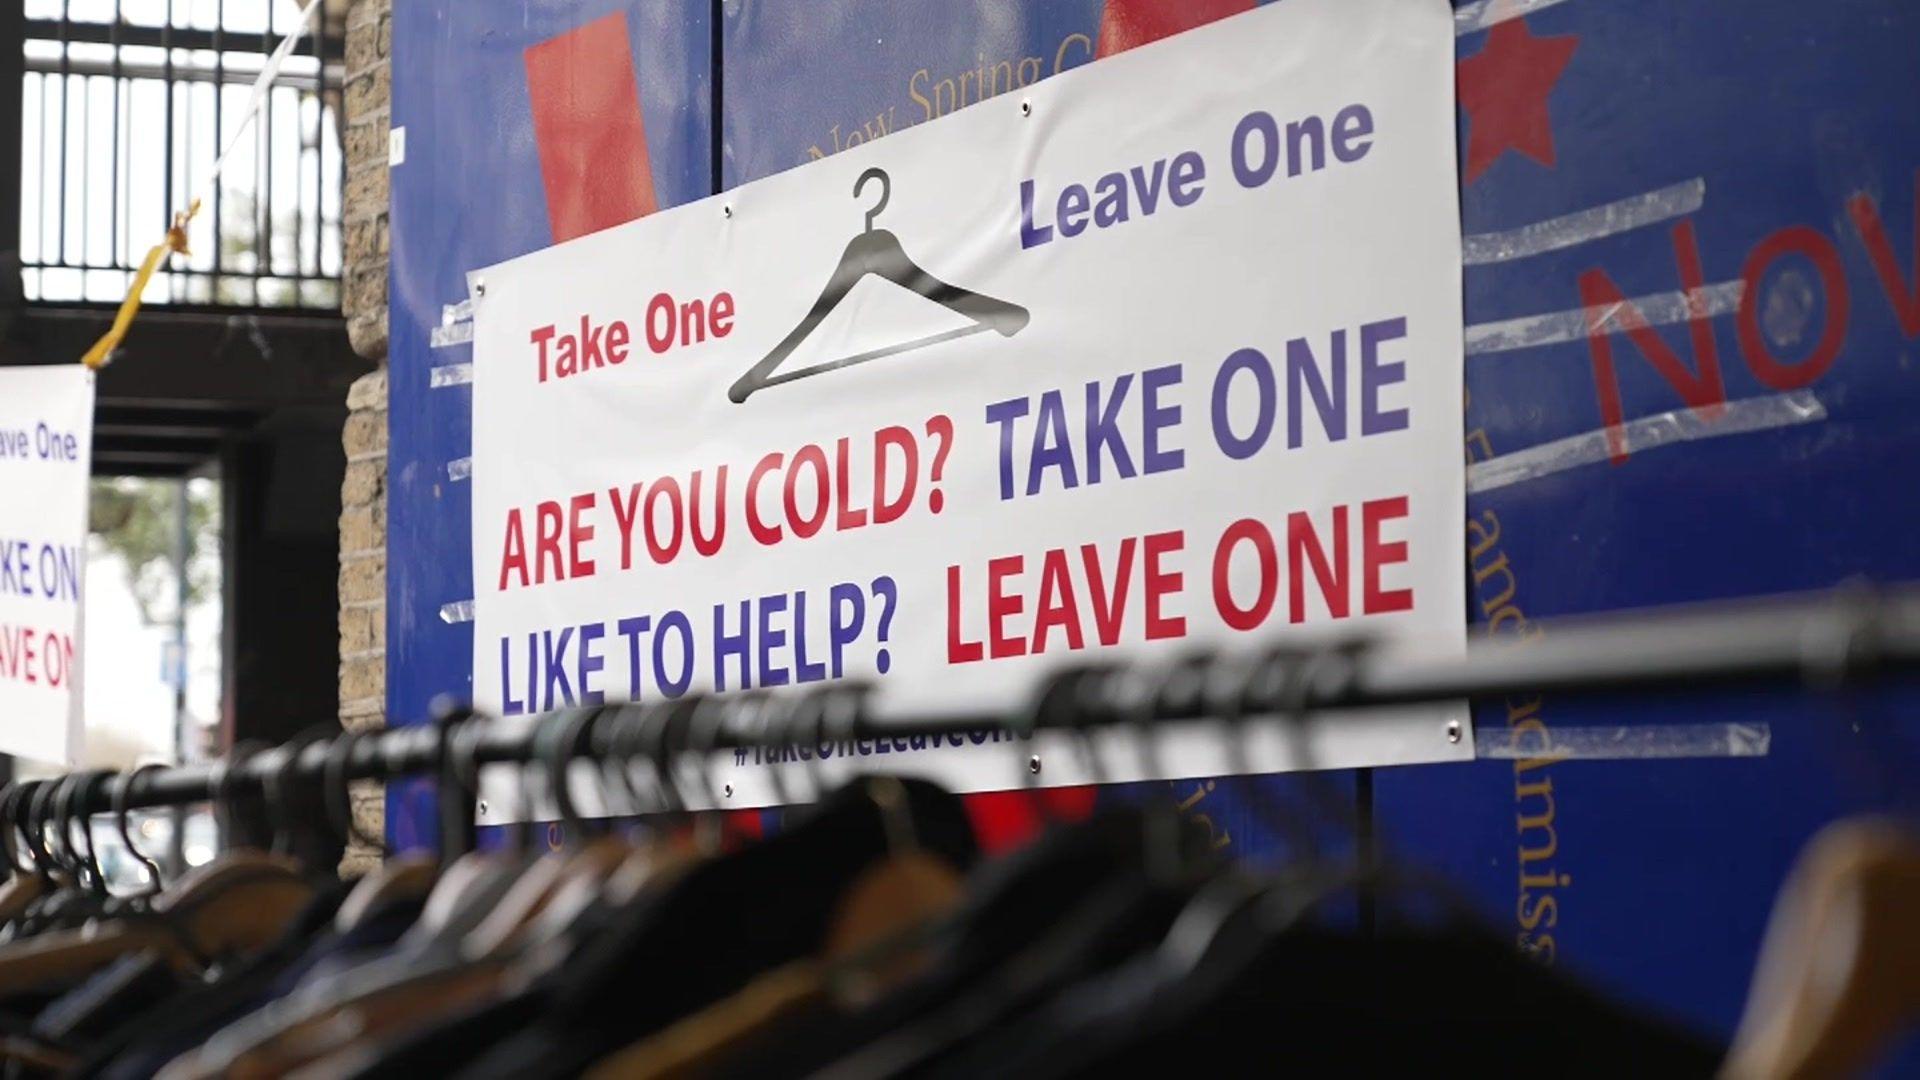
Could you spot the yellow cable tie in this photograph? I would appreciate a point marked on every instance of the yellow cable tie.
(176, 242)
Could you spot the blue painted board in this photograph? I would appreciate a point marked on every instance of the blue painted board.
(1626, 149)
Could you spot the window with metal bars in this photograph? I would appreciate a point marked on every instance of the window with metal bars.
(126, 104)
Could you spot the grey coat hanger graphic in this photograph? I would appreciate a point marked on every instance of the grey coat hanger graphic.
(878, 252)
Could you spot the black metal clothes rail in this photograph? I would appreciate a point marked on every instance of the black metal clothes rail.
(1821, 642)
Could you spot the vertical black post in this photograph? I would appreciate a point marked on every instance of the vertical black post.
(119, 132)
(280, 526)
(66, 123)
(176, 858)
(166, 183)
(13, 28)
(263, 184)
(219, 142)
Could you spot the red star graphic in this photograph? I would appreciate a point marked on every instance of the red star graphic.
(1504, 89)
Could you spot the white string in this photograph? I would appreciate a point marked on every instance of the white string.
(257, 98)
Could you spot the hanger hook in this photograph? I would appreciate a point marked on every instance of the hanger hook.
(1331, 666)
(337, 796)
(89, 860)
(719, 714)
(604, 750)
(453, 803)
(122, 806)
(1236, 685)
(1141, 696)
(1052, 707)
(650, 740)
(1092, 699)
(71, 859)
(520, 835)
(1136, 704)
(626, 741)
(702, 751)
(10, 827)
(678, 740)
(840, 711)
(226, 778)
(60, 816)
(562, 747)
(886, 191)
(461, 746)
(277, 787)
(34, 825)
(808, 721)
(776, 725)
(46, 805)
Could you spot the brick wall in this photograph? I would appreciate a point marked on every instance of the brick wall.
(363, 517)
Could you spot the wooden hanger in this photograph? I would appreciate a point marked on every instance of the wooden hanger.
(555, 880)
(21, 890)
(239, 904)
(418, 974)
(406, 877)
(909, 888)
(1839, 972)
(868, 948)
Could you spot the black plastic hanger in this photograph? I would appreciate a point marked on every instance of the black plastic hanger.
(85, 855)
(81, 894)
(25, 883)
(878, 252)
(772, 902)
(337, 794)
(296, 807)
(1109, 889)
(122, 806)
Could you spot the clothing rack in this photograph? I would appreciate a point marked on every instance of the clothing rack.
(1825, 641)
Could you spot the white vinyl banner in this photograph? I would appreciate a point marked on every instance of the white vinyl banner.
(1160, 354)
(46, 462)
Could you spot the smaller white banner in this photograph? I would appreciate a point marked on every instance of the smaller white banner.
(46, 460)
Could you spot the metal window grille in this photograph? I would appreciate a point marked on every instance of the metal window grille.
(125, 105)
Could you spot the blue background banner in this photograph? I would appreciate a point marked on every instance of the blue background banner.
(1692, 302)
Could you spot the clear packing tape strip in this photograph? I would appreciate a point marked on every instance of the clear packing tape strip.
(176, 239)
